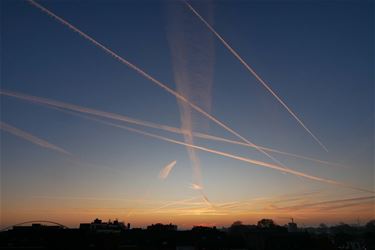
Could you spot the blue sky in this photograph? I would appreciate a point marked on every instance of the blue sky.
(318, 56)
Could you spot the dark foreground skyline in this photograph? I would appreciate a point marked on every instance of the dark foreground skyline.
(265, 235)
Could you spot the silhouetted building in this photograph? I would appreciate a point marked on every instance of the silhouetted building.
(162, 227)
(98, 226)
(292, 227)
(203, 229)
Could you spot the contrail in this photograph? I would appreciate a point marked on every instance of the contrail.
(239, 158)
(252, 71)
(206, 200)
(176, 203)
(328, 202)
(199, 188)
(370, 202)
(195, 186)
(31, 138)
(45, 144)
(228, 155)
(286, 198)
(192, 54)
(216, 138)
(166, 170)
(184, 202)
(149, 77)
(113, 116)
(87, 198)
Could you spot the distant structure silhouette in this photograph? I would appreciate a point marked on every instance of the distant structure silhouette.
(35, 223)
(292, 227)
(112, 235)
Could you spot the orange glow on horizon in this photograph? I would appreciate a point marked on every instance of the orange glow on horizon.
(193, 211)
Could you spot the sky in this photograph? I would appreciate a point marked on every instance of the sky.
(70, 166)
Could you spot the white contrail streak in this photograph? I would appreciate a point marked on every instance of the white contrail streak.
(195, 186)
(45, 144)
(149, 77)
(57, 104)
(192, 54)
(252, 71)
(31, 138)
(295, 207)
(216, 138)
(63, 105)
(166, 170)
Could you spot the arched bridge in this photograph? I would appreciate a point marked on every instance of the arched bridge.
(34, 221)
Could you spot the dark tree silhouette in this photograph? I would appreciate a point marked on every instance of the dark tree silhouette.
(237, 223)
(266, 223)
(370, 226)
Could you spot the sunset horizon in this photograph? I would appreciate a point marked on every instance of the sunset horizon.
(194, 113)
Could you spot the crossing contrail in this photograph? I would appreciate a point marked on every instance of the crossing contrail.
(149, 77)
(192, 55)
(252, 161)
(166, 170)
(199, 188)
(216, 138)
(252, 71)
(31, 138)
(118, 117)
(235, 157)
(228, 155)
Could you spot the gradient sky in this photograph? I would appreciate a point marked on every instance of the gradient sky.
(317, 55)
